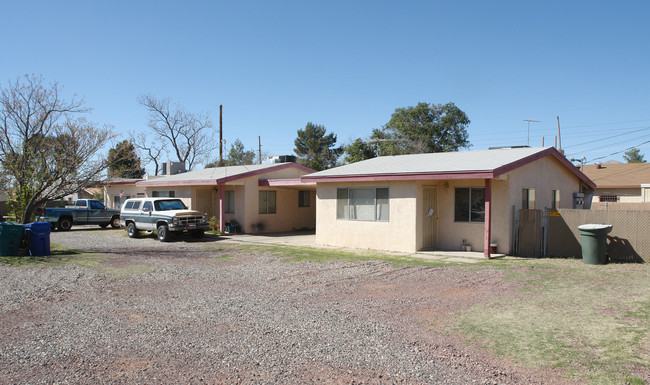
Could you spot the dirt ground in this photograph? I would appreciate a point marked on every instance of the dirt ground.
(206, 312)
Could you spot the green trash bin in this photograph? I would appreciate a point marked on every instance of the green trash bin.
(593, 239)
(10, 235)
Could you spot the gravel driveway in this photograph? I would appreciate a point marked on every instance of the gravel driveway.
(207, 312)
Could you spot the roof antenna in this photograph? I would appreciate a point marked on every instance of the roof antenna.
(529, 121)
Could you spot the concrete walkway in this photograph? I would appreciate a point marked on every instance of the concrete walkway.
(308, 239)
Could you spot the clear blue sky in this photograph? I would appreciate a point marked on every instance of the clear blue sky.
(276, 65)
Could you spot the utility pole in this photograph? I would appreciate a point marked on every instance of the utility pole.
(220, 164)
(558, 133)
(529, 121)
(259, 149)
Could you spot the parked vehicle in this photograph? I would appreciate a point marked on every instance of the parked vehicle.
(84, 212)
(164, 215)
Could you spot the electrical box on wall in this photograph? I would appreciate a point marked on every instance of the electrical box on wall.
(578, 200)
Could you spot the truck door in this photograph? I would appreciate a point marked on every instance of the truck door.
(81, 211)
(97, 213)
(147, 218)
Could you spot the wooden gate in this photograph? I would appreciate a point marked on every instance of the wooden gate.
(530, 228)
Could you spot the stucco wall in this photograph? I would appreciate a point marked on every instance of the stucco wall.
(403, 231)
(397, 234)
(544, 175)
(288, 215)
(452, 233)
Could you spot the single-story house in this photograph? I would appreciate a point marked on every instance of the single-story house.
(623, 186)
(439, 201)
(260, 198)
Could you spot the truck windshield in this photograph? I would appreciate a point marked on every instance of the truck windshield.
(171, 204)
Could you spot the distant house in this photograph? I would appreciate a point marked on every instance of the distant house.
(84, 193)
(261, 198)
(620, 186)
(116, 191)
(438, 201)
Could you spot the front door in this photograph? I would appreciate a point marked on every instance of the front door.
(430, 218)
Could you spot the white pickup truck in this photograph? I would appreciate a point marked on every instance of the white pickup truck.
(164, 215)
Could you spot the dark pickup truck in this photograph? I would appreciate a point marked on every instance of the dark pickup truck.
(84, 212)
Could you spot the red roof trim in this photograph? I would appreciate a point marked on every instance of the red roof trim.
(539, 155)
(403, 177)
(284, 182)
(195, 182)
(110, 183)
(215, 182)
(281, 166)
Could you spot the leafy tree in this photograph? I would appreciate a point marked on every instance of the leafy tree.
(47, 151)
(315, 149)
(360, 150)
(123, 162)
(423, 128)
(188, 134)
(634, 156)
(238, 156)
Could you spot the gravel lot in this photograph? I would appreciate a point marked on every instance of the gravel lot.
(205, 312)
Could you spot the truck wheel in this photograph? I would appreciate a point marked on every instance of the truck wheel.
(64, 224)
(163, 233)
(115, 222)
(198, 233)
(131, 231)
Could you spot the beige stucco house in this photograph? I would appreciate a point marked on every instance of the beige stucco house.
(622, 186)
(438, 201)
(241, 193)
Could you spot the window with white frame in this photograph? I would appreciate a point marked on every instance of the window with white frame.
(267, 202)
(229, 204)
(469, 204)
(304, 198)
(363, 204)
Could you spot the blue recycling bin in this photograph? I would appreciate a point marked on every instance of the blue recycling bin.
(38, 237)
(10, 237)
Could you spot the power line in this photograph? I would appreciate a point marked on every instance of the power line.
(609, 137)
(618, 152)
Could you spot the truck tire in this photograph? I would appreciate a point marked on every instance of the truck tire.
(64, 224)
(131, 230)
(115, 222)
(163, 233)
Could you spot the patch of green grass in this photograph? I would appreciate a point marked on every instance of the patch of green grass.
(592, 321)
(223, 258)
(320, 255)
(61, 255)
(634, 381)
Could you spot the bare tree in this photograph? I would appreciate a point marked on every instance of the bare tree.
(148, 152)
(47, 151)
(188, 134)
